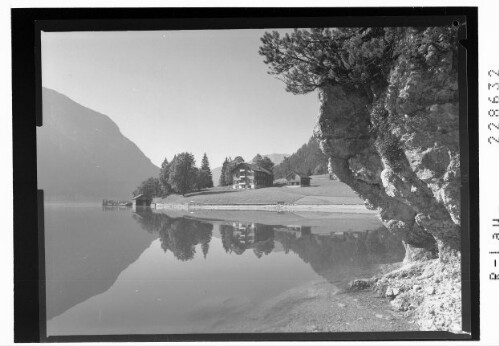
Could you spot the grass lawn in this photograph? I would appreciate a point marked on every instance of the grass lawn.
(322, 191)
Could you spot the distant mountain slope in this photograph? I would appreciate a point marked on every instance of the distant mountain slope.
(82, 154)
(86, 250)
(215, 173)
(276, 158)
(309, 158)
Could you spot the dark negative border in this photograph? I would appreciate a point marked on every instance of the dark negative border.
(29, 295)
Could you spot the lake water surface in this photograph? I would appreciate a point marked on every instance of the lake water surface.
(119, 271)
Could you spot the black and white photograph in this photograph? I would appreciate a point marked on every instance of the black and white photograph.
(251, 180)
(248, 174)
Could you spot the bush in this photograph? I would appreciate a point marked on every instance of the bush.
(280, 182)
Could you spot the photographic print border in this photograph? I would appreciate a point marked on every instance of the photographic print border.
(28, 211)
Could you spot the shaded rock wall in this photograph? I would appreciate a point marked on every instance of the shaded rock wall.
(398, 148)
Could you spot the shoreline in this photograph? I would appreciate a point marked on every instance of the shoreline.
(426, 292)
(331, 208)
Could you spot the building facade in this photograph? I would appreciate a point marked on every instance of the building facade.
(141, 201)
(298, 179)
(251, 176)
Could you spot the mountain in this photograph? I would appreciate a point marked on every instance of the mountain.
(275, 158)
(307, 159)
(215, 173)
(82, 155)
(86, 250)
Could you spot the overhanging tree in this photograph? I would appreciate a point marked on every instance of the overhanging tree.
(355, 58)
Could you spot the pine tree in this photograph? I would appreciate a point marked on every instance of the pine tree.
(164, 175)
(222, 181)
(256, 160)
(308, 159)
(206, 179)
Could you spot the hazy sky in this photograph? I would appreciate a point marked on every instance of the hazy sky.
(174, 91)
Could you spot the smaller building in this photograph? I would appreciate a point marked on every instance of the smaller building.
(141, 201)
(298, 179)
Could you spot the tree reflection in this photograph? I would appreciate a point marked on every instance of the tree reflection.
(335, 256)
(344, 254)
(239, 236)
(179, 235)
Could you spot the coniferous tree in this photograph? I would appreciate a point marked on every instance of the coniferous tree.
(267, 164)
(264, 162)
(222, 181)
(205, 176)
(308, 159)
(164, 175)
(256, 160)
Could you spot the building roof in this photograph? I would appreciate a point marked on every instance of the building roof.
(140, 196)
(253, 167)
(300, 174)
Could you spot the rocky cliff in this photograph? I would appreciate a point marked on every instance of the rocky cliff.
(399, 148)
(389, 124)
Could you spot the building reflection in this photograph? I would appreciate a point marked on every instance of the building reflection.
(239, 237)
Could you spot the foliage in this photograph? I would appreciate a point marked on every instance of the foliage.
(308, 59)
(263, 241)
(263, 162)
(223, 173)
(150, 188)
(181, 236)
(355, 58)
(164, 175)
(280, 182)
(227, 168)
(308, 159)
(183, 173)
(178, 235)
(205, 179)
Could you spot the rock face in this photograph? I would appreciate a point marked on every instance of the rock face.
(399, 150)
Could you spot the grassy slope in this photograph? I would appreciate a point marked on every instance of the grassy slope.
(322, 191)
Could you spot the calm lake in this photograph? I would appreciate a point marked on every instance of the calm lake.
(116, 271)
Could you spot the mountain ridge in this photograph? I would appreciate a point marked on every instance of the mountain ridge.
(82, 154)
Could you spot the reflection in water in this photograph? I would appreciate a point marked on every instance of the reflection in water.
(238, 237)
(114, 278)
(338, 256)
(179, 235)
